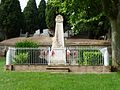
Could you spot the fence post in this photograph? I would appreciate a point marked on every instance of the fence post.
(9, 55)
(106, 56)
(49, 56)
(65, 56)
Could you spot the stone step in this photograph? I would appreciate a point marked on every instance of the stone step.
(58, 69)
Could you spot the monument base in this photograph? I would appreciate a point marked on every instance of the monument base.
(58, 56)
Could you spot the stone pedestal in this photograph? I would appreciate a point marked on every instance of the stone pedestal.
(58, 56)
(58, 51)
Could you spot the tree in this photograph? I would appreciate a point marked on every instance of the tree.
(55, 7)
(10, 18)
(50, 15)
(41, 15)
(112, 11)
(31, 16)
(80, 16)
(86, 16)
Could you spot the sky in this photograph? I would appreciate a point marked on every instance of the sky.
(23, 3)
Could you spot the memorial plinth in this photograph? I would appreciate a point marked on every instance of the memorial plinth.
(58, 56)
(58, 51)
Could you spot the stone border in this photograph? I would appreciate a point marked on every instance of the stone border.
(42, 68)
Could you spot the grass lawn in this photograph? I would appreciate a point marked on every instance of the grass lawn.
(56, 81)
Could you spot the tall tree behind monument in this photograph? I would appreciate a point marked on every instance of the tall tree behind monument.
(41, 15)
(10, 18)
(50, 15)
(31, 16)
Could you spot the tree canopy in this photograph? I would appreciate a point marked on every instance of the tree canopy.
(41, 15)
(55, 7)
(50, 15)
(31, 16)
(10, 18)
(80, 15)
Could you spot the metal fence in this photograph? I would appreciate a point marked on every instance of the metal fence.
(27, 56)
(84, 56)
(74, 56)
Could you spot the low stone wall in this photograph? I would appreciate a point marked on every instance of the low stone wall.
(90, 68)
(42, 68)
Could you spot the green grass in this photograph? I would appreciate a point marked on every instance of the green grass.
(56, 81)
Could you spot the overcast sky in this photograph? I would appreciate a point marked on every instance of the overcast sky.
(23, 3)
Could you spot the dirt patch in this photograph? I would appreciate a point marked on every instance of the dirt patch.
(38, 39)
(44, 40)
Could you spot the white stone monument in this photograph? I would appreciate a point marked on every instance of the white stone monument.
(45, 32)
(37, 33)
(58, 52)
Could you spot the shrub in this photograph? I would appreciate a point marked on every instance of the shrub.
(20, 58)
(92, 58)
(26, 44)
(28, 52)
(89, 57)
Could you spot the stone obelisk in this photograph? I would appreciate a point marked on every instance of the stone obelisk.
(58, 50)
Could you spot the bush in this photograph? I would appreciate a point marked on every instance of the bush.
(21, 52)
(26, 44)
(92, 58)
(89, 57)
(20, 58)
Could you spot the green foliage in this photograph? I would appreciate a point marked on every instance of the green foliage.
(20, 58)
(2, 37)
(89, 57)
(50, 15)
(29, 52)
(11, 18)
(55, 7)
(87, 17)
(26, 44)
(41, 15)
(31, 16)
(92, 58)
(2, 63)
(110, 61)
(81, 15)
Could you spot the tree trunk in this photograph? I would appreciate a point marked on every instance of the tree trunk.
(115, 26)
